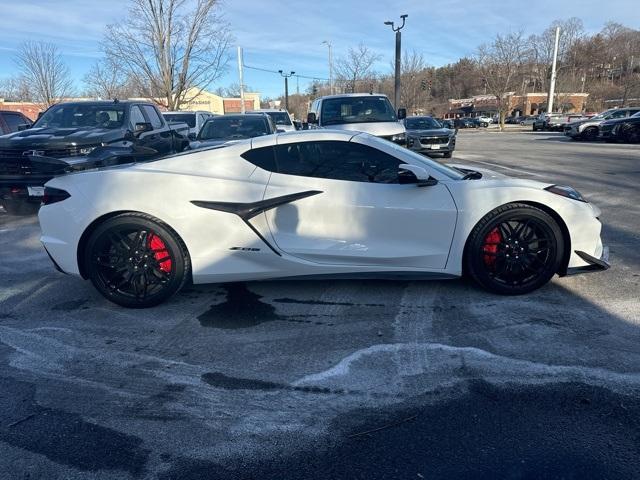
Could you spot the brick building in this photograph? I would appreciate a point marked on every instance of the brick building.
(28, 109)
(519, 105)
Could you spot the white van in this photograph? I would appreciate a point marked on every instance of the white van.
(365, 112)
(281, 118)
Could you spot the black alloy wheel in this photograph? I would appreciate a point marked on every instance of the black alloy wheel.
(515, 249)
(136, 261)
(590, 133)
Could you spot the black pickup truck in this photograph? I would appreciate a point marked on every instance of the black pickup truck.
(78, 136)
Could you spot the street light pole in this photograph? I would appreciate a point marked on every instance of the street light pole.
(552, 85)
(328, 44)
(286, 87)
(396, 89)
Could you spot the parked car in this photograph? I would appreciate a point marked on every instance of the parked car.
(589, 129)
(426, 135)
(484, 119)
(621, 129)
(446, 123)
(478, 122)
(281, 118)
(526, 120)
(79, 135)
(311, 203)
(13, 121)
(464, 122)
(194, 119)
(549, 121)
(232, 128)
(363, 112)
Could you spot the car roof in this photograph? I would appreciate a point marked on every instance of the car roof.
(268, 110)
(349, 95)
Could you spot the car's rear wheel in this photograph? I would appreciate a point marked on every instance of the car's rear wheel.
(632, 135)
(590, 133)
(136, 261)
(514, 249)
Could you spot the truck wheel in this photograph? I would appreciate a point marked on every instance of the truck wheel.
(447, 154)
(20, 208)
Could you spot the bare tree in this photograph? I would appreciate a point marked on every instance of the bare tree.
(15, 89)
(106, 79)
(44, 72)
(413, 77)
(500, 64)
(171, 47)
(356, 67)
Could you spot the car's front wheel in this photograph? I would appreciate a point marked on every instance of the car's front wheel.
(514, 249)
(136, 261)
(590, 133)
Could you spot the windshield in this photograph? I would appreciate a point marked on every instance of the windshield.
(188, 118)
(232, 128)
(367, 109)
(83, 116)
(280, 118)
(421, 123)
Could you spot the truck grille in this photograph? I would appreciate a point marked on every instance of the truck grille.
(13, 162)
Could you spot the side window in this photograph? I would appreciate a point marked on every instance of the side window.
(13, 120)
(261, 157)
(136, 116)
(619, 114)
(337, 161)
(633, 112)
(154, 118)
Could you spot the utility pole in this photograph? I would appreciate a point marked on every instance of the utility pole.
(286, 87)
(241, 76)
(396, 89)
(552, 86)
(328, 44)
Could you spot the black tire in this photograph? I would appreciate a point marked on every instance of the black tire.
(447, 154)
(590, 133)
(631, 134)
(535, 129)
(20, 207)
(514, 249)
(136, 261)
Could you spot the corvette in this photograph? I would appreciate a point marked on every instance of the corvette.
(311, 204)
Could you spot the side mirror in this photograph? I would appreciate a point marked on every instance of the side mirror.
(280, 130)
(142, 127)
(24, 126)
(311, 118)
(402, 113)
(415, 175)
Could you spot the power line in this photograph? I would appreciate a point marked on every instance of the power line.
(278, 73)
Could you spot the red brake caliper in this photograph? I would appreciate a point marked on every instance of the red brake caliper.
(490, 247)
(160, 251)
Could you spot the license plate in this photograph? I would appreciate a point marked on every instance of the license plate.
(435, 147)
(36, 191)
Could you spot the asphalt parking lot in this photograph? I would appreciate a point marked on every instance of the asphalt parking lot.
(336, 379)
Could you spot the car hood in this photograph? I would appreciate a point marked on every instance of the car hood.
(442, 132)
(378, 129)
(59, 137)
(486, 173)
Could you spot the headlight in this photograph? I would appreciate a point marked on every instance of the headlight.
(87, 150)
(566, 191)
(399, 138)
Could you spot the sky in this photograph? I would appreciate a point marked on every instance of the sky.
(288, 34)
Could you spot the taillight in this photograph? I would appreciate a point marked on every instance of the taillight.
(53, 195)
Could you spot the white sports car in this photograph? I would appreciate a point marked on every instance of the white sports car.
(316, 203)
